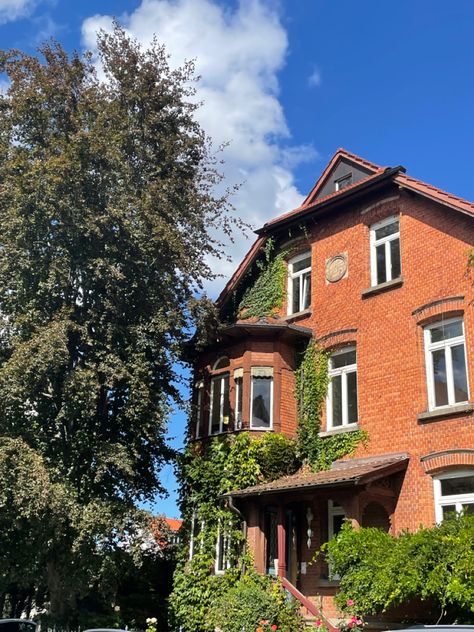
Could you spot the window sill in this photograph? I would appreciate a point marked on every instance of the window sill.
(447, 411)
(339, 430)
(382, 287)
(298, 315)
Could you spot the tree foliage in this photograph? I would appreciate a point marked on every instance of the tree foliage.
(107, 216)
(379, 571)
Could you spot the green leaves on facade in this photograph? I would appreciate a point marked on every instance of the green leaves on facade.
(265, 297)
(311, 385)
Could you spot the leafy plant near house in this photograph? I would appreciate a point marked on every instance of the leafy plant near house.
(311, 385)
(205, 473)
(265, 297)
(379, 571)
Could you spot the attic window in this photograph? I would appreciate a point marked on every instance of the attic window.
(343, 182)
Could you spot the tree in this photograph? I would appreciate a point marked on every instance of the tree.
(108, 214)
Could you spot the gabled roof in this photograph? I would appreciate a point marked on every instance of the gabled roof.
(377, 176)
(352, 472)
(338, 156)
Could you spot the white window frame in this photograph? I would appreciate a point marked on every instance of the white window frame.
(292, 276)
(239, 385)
(446, 345)
(221, 377)
(221, 564)
(388, 255)
(458, 500)
(337, 183)
(252, 426)
(199, 408)
(342, 371)
(194, 521)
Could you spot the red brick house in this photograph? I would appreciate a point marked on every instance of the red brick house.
(377, 275)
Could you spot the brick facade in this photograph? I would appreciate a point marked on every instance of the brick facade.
(386, 327)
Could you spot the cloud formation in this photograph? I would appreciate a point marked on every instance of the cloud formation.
(238, 55)
(315, 78)
(13, 9)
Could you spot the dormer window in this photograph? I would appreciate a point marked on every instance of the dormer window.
(299, 283)
(343, 182)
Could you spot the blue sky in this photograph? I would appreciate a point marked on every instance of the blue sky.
(289, 81)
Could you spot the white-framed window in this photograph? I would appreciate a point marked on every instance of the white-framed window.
(446, 367)
(453, 492)
(385, 261)
(261, 398)
(222, 561)
(198, 412)
(343, 182)
(219, 408)
(238, 381)
(299, 283)
(197, 529)
(342, 392)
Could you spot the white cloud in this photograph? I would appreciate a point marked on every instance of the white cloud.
(238, 55)
(13, 9)
(315, 78)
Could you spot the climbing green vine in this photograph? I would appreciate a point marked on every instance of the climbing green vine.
(205, 473)
(311, 385)
(265, 297)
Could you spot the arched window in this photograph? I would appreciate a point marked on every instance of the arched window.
(221, 363)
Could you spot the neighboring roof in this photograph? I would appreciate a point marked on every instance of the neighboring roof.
(352, 472)
(174, 524)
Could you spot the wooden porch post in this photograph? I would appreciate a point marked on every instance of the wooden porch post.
(281, 571)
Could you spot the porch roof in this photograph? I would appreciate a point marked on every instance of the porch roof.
(351, 472)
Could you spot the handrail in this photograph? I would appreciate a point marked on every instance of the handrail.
(307, 603)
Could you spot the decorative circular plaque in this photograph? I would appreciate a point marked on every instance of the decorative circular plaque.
(336, 268)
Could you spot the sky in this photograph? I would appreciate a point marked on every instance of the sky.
(287, 82)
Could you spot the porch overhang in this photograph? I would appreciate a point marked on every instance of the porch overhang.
(349, 473)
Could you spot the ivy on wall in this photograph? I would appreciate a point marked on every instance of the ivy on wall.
(311, 385)
(265, 297)
(205, 473)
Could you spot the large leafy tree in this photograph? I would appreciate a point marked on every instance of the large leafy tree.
(108, 214)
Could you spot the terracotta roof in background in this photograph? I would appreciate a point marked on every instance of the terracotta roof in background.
(340, 153)
(174, 524)
(342, 473)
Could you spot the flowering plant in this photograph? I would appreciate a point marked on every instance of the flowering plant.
(151, 624)
(355, 623)
(265, 626)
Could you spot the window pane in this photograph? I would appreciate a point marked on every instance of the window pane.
(216, 405)
(226, 408)
(301, 264)
(238, 402)
(448, 509)
(337, 522)
(343, 182)
(387, 230)
(469, 508)
(459, 373)
(343, 359)
(306, 290)
(296, 295)
(439, 378)
(444, 331)
(221, 552)
(458, 485)
(336, 400)
(261, 401)
(381, 267)
(395, 257)
(271, 525)
(352, 397)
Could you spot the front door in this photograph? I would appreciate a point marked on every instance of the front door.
(291, 530)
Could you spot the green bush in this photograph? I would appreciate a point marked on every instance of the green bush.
(249, 601)
(435, 565)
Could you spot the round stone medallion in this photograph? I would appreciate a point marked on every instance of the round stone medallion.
(336, 268)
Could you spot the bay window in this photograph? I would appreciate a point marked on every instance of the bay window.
(446, 367)
(219, 408)
(261, 398)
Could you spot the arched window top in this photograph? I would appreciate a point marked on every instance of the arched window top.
(221, 363)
